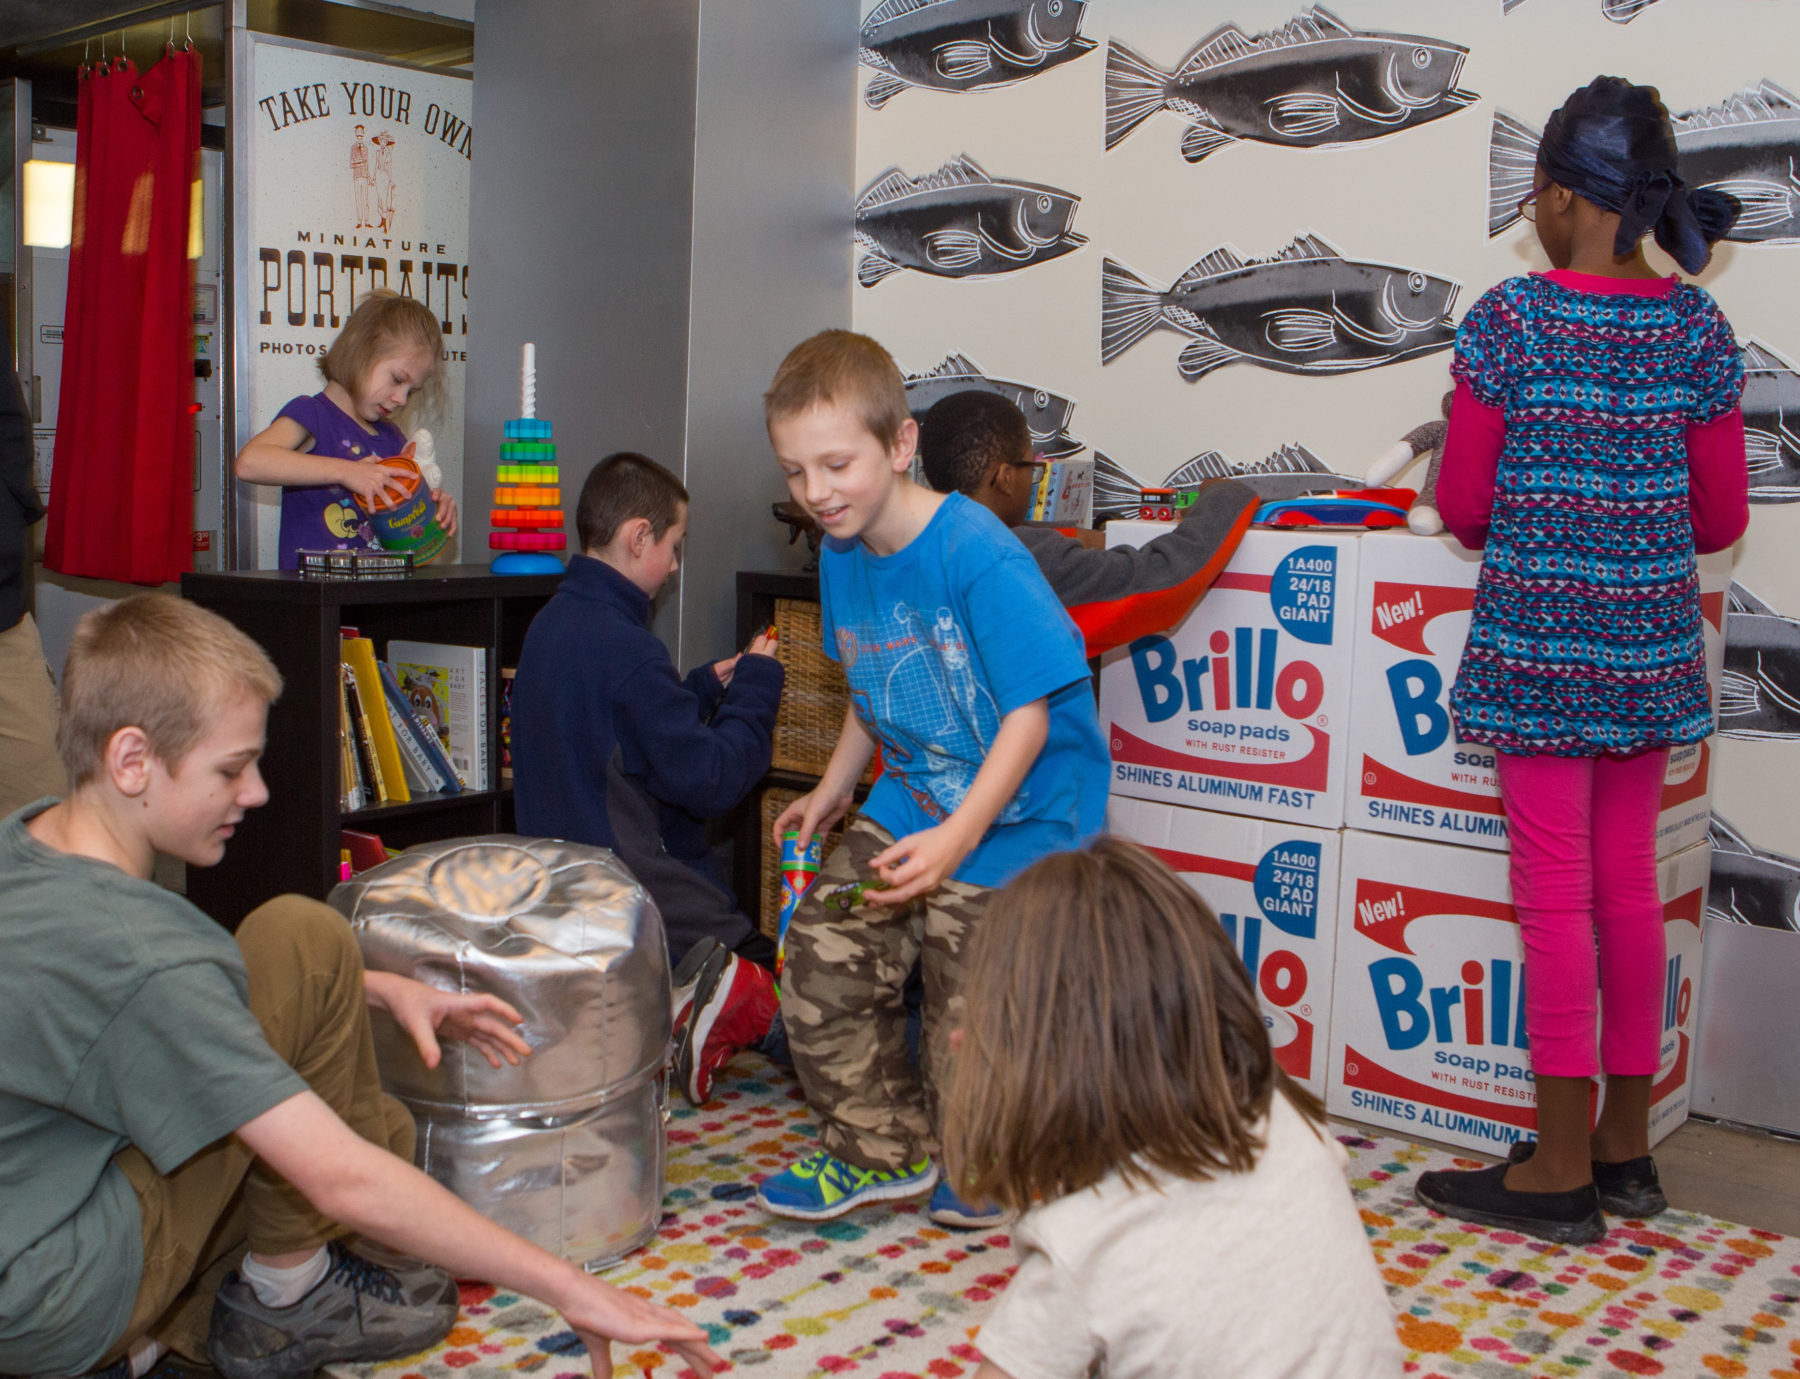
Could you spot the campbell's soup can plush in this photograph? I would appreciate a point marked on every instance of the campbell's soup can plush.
(799, 869)
(407, 521)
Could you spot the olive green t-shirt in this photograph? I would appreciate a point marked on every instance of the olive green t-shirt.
(123, 1020)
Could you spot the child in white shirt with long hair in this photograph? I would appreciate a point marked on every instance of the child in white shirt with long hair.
(1183, 1212)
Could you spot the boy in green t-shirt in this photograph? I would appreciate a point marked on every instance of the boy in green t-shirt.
(169, 1092)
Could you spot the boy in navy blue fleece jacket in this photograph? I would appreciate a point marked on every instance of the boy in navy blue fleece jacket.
(610, 747)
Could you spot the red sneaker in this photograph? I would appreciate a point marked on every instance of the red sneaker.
(733, 1006)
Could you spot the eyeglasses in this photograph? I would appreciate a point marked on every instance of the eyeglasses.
(1036, 464)
(1527, 206)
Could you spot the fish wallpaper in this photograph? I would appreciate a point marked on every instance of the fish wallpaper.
(1772, 447)
(1747, 145)
(1307, 309)
(1046, 413)
(958, 222)
(1288, 473)
(1287, 208)
(1310, 84)
(966, 45)
(1619, 11)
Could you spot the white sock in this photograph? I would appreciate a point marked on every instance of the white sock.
(284, 1287)
(144, 1354)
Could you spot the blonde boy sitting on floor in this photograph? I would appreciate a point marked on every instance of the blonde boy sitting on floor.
(168, 1093)
(967, 671)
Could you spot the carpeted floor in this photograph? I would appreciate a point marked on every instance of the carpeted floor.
(886, 1294)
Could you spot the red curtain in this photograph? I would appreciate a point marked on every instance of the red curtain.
(122, 484)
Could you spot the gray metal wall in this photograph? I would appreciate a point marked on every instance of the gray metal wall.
(660, 200)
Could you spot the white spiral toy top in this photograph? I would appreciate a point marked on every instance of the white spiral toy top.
(528, 382)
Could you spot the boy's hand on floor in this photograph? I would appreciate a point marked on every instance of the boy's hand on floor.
(428, 1015)
(917, 863)
(604, 1314)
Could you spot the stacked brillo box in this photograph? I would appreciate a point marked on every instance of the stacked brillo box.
(1288, 750)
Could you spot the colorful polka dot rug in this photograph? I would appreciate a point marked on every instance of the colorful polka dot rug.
(884, 1293)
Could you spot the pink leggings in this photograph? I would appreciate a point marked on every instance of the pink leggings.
(1584, 867)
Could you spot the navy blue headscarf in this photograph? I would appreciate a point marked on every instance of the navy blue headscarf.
(1611, 142)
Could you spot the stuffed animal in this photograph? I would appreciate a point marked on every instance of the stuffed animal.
(1422, 516)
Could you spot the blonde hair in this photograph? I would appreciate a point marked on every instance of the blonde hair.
(383, 323)
(843, 367)
(157, 663)
(1110, 1028)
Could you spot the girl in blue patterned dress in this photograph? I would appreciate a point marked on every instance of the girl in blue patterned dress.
(1595, 445)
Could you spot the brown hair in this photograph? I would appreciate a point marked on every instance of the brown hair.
(623, 486)
(843, 367)
(1110, 1027)
(158, 663)
(383, 323)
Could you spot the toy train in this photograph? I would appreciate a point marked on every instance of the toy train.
(1370, 507)
(1164, 504)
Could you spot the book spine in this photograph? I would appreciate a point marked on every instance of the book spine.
(483, 720)
(365, 741)
(412, 755)
(350, 769)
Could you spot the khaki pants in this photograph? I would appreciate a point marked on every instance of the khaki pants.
(846, 1018)
(29, 765)
(306, 992)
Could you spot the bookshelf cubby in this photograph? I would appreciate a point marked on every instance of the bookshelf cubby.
(291, 843)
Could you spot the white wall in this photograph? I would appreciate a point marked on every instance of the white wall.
(1417, 198)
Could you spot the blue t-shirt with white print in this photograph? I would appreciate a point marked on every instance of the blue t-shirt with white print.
(939, 642)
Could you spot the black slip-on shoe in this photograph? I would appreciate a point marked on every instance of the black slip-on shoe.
(1482, 1196)
(1629, 1188)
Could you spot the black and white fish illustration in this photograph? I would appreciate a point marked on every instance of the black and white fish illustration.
(1748, 145)
(1046, 413)
(1289, 472)
(966, 45)
(1307, 310)
(1749, 884)
(1771, 396)
(1314, 82)
(1619, 11)
(1759, 696)
(958, 222)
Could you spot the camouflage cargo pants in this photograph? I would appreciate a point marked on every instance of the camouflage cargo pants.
(846, 1017)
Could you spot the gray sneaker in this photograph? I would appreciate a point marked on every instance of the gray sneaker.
(359, 1311)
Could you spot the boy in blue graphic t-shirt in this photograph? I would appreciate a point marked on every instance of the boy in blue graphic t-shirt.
(970, 676)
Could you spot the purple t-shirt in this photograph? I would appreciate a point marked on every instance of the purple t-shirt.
(324, 517)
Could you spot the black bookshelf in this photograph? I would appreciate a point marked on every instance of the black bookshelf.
(291, 843)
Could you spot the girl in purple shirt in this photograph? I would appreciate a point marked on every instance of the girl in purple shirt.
(325, 450)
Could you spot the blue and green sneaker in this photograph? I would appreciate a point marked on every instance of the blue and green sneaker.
(820, 1187)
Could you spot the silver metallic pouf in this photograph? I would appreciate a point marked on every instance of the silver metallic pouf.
(567, 1148)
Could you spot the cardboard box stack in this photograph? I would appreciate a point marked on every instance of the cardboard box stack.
(1302, 710)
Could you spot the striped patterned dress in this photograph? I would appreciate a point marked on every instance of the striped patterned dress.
(1586, 633)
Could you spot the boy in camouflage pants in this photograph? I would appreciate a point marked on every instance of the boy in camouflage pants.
(968, 673)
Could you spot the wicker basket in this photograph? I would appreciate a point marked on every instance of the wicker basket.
(774, 800)
(815, 695)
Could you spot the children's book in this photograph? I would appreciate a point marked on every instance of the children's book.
(360, 653)
(447, 686)
(422, 777)
(374, 788)
(400, 707)
(353, 791)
